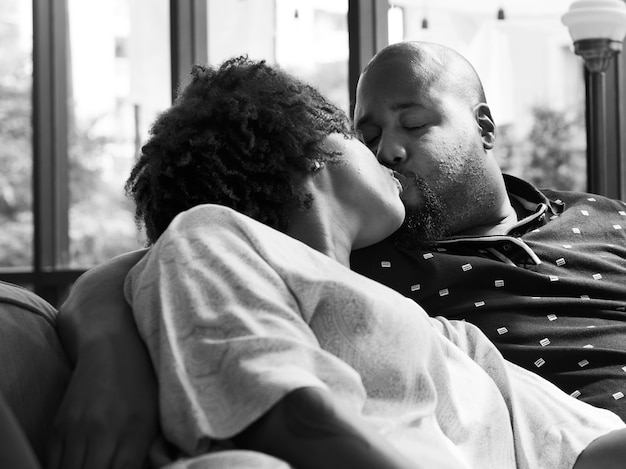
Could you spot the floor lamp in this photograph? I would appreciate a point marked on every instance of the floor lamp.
(597, 28)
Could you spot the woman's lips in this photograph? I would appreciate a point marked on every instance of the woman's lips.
(401, 180)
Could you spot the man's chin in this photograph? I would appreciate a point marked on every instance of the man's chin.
(425, 214)
(418, 230)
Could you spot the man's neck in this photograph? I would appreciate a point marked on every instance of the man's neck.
(505, 219)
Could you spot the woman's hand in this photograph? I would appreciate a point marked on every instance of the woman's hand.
(310, 430)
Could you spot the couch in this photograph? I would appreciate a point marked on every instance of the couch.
(35, 368)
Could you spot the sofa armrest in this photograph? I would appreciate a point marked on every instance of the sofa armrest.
(33, 365)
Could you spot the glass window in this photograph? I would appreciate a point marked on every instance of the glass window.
(16, 153)
(533, 80)
(119, 63)
(308, 38)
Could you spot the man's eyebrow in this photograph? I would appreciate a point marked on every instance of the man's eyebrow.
(394, 107)
(405, 105)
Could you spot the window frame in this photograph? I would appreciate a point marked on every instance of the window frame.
(368, 33)
(612, 101)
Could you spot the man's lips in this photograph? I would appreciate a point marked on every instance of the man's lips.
(403, 181)
(410, 194)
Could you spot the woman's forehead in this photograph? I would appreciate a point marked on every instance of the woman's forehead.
(347, 146)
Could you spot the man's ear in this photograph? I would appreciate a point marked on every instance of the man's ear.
(487, 127)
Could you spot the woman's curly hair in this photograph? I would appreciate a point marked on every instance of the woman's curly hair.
(234, 137)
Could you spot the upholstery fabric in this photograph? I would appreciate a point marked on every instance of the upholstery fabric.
(34, 367)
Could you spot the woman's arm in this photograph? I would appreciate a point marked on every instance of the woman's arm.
(309, 429)
(607, 452)
(108, 417)
(95, 309)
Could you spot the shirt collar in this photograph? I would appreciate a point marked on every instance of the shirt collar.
(537, 207)
(529, 196)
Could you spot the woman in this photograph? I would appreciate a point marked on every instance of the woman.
(253, 193)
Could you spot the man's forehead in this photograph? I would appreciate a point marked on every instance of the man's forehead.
(393, 91)
(397, 103)
(395, 76)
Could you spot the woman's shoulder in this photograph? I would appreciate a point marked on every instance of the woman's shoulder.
(212, 213)
(224, 232)
(214, 221)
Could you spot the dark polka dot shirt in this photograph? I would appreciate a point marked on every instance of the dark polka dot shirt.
(551, 294)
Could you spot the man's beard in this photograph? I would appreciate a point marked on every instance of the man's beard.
(422, 225)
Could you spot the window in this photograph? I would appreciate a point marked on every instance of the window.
(82, 81)
(307, 38)
(16, 214)
(119, 80)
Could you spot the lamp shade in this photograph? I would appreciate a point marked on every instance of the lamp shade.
(596, 19)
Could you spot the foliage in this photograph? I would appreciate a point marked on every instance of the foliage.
(101, 221)
(553, 153)
(16, 164)
(15, 146)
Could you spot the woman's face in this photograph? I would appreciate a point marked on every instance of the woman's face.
(367, 192)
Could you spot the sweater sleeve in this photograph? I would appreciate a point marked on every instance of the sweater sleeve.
(224, 330)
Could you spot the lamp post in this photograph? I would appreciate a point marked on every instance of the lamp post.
(597, 28)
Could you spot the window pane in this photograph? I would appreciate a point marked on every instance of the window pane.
(308, 38)
(533, 80)
(16, 154)
(119, 54)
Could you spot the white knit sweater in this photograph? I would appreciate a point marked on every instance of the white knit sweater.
(236, 315)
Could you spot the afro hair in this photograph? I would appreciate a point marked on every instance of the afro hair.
(235, 136)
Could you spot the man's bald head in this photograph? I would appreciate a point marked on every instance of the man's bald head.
(434, 64)
(420, 107)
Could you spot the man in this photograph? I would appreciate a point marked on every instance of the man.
(542, 273)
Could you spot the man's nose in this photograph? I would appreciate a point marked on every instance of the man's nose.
(390, 152)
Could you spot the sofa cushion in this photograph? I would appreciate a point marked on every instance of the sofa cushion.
(33, 365)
